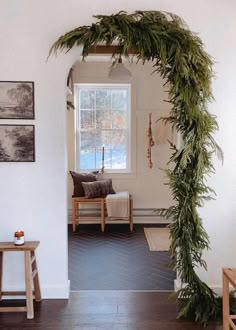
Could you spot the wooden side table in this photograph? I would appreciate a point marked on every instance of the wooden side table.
(228, 277)
(31, 275)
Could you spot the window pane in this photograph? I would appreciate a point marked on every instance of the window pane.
(103, 99)
(115, 159)
(119, 159)
(119, 119)
(87, 119)
(118, 140)
(103, 122)
(108, 159)
(103, 139)
(103, 119)
(87, 140)
(119, 99)
(99, 159)
(87, 159)
(87, 97)
(98, 139)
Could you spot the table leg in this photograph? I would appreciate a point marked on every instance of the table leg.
(225, 302)
(37, 291)
(28, 286)
(1, 268)
(77, 214)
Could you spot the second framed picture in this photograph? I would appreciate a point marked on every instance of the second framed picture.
(16, 100)
(17, 143)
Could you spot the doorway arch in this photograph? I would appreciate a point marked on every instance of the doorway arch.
(180, 58)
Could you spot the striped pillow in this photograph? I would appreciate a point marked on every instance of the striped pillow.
(98, 188)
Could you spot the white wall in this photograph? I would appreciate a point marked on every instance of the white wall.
(147, 186)
(33, 195)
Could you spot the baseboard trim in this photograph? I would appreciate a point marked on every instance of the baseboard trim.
(56, 291)
(143, 220)
(142, 216)
(123, 291)
(216, 288)
(47, 291)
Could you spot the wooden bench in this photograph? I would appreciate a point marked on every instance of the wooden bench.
(31, 275)
(101, 202)
(228, 277)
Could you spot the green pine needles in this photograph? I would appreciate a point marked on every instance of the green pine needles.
(180, 58)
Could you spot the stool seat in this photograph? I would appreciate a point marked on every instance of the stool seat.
(27, 246)
(31, 275)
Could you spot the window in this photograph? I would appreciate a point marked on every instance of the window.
(103, 123)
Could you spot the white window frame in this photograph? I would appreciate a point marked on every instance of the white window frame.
(77, 87)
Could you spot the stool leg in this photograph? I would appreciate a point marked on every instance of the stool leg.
(1, 267)
(225, 303)
(37, 291)
(28, 286)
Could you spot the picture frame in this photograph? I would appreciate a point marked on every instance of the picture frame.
(17, 100)
(17, 143)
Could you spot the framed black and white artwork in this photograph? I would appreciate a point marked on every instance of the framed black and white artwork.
(16, 100)
(17, 143)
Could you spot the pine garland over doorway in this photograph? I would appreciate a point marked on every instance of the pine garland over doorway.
(179, 57)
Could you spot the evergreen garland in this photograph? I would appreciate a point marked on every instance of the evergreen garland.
(180, 58)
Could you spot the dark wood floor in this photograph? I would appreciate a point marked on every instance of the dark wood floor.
(105, 310)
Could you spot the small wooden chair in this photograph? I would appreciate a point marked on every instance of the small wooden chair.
(228, 277)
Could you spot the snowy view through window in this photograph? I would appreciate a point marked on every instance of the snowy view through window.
(103, 122)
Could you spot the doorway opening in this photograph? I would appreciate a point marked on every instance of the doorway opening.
(118, 259)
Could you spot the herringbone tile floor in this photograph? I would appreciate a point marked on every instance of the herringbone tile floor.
(116, 260)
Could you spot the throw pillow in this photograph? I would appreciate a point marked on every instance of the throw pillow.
(78, 178)
(98, 188)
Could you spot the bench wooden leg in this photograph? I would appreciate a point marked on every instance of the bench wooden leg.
(1, 267)
(131, 224)
(28, 286)
(102, 215)
(75, 207)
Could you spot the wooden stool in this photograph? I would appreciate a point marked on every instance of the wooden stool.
(31, 273)
(228, 277)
